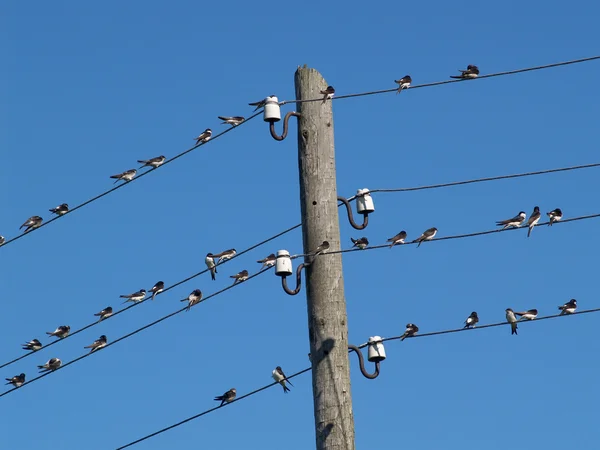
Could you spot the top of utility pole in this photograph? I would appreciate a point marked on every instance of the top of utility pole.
(327, 319)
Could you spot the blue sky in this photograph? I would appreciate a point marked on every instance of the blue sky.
(90, 89)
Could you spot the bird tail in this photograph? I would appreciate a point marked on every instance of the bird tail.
(419, 244)
(403, 337)
(212, 274)
(529, 231)
(49, 334)
(285, 388)
(455, 76)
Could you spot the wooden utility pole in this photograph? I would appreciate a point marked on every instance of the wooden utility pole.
(327, 318)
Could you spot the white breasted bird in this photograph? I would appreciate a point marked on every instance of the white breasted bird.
(17, 380)
(568, 308)
(411, 330)
(193, 299)
(321, 248)
(105, 313)
(204, 136)
(472, 320)
(403, 83)
(227, 397)
(227, 254)
(60, 332)
(234, 121)
(514, 222)
(2, 240)
(32, 223)
(361, 243)
(555, 215)
(328, 93)
(126, 176)
(530, 314)
(426, 236)
(97, 344)
(240, 276)
(152, 162)
(261, 103)
(210, 263)
(280, 377)
(510, 318)
(398, 239)
(34, 345)
(157, 288)
(268, 261)
(50, 365)
(471, 72)
(60, 210)
(533, 219)
(136, 297)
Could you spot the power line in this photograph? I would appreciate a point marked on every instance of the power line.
(445, 238)
(137, 177)
(211, 410)
(165, 290)
(168, 316)
(481, 180)
(435, 333)
(438, 83)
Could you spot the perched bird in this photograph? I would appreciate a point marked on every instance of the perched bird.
(328, 93)
(105, 313)
(61, 332)
(534, 218)
(472, 320)
(510, 318)
(471, 72)
(360, 243)
(321, 248)
(2, 240)
(569, 307)
(204, 136)
(193, 298)
(426, 236)
(261, 103)
(17, 380)
(34, 345)
(398, 239)
(239, 277)
(157, 288)
(411, 330)
(227, 254)
(51, 364)
(403, 83)
(135, 297)
(128, 175)
(97, 344)
(152, 162)
(555, 215)
(32, 223)
(227, 397)
(210, 263)
(515, 222)
(233, 121)
(268, 261)
(280, 377)
(60, 210)
(530, 314)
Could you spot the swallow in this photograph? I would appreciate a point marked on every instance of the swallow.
(411, 330)
(555, 215)
(105, 313)
(530, 314)
(204, 136)
(569, 307)
(2, 240)
(403, 83)
(51, 364)
(534, 218)
(321, 248)
(152, 162)
(261, 103)
(471, 72)
(280, 377)
(227, 397)
(361, 243)
(472, 320)
(234, 121)
(34, 345)
(157, 288)
(227, 254)
(32, 223)
(268, 261)
(515, 222)
(97, 344)
(61, 332)
(17, 380)
(328, 93)
(128, 175)
(510, 318)
(398, 239)
(426, 236)
(239, 277)
(60, 210)
(210, 263)
(193, 298)
(135, 297)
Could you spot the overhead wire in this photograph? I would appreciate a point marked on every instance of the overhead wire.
(439, 83)
(137, 177)
(256, 391)
(138, 330)
(185, 280)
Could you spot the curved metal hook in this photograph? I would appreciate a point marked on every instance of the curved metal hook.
(298, 281)
(362, 363)
(351, 219)
(285, 126)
